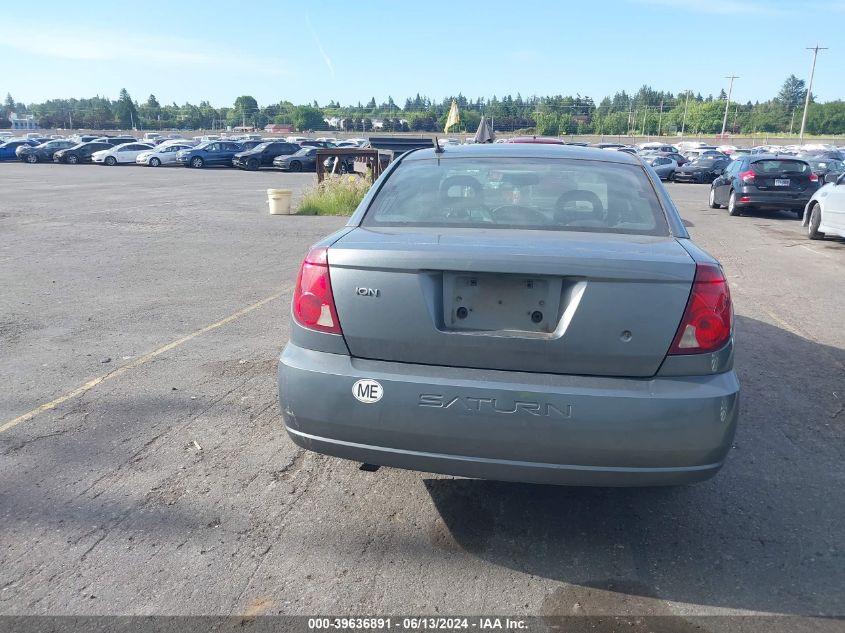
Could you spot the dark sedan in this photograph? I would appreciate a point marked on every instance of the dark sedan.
(702, 170)
(765, 182)
(210, 153)
(8, 149)
(824, 167)
(304, 160)
(43, 152)
(79, 153)
(263, 155)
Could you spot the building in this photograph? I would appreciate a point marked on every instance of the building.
(25, 122)
(278, 128)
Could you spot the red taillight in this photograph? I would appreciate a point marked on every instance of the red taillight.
(313, 302)
(708, 319)
(747, 176)
(814, 177)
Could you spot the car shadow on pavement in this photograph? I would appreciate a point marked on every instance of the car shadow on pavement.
(766, 534)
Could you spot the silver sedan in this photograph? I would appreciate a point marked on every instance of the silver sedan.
(663, 166)
(519, 312)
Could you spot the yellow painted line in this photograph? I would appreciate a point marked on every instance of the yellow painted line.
(141, 360)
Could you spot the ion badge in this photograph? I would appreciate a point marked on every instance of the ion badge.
(367, 391)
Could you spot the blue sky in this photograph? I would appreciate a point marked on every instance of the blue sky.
(319, 49)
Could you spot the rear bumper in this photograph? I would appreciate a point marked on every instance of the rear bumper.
(513, 426)
(772, 199)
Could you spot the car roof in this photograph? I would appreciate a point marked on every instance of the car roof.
(524, 150)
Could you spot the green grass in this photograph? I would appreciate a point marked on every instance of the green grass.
(336, 195)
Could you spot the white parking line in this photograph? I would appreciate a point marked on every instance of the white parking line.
(812, 250)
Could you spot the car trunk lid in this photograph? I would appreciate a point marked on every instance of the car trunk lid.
(560, 302)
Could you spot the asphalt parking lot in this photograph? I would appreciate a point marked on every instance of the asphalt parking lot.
(144, 469)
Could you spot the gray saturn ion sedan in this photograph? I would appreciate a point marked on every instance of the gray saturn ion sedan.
(518, 312)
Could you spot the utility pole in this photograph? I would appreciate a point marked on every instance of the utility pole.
(684, 123)
(660, 120)
(728, 103)
(815, 50)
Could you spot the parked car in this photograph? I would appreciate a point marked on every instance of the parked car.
(658, 147)
(80, 153)
(675, 156)
(263, 155)
(320, 144)
(764, 182)
(609, 145)
(303, 160)
(444, 332)
(663, 166)
(116, 140)
(209, 154)
(163, 154)
(823, 166)
(83, 138)
(704, 153)
(702, 169)
(43, 152)
(825, 213)
(121, 154)
(9, 148)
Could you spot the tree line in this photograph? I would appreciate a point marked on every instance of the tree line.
(646, 112)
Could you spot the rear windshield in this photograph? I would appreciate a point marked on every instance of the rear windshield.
(524, 193)
(781, 167)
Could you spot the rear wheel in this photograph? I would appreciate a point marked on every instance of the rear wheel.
(295, 166)
(713, 204)
(197, 162)
(671, 176)
(72, 159)
(31, 159)
(732, 208)
(814, 223)
(155, 162)
(111, 161)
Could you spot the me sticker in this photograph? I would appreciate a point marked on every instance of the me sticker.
(367, 391)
